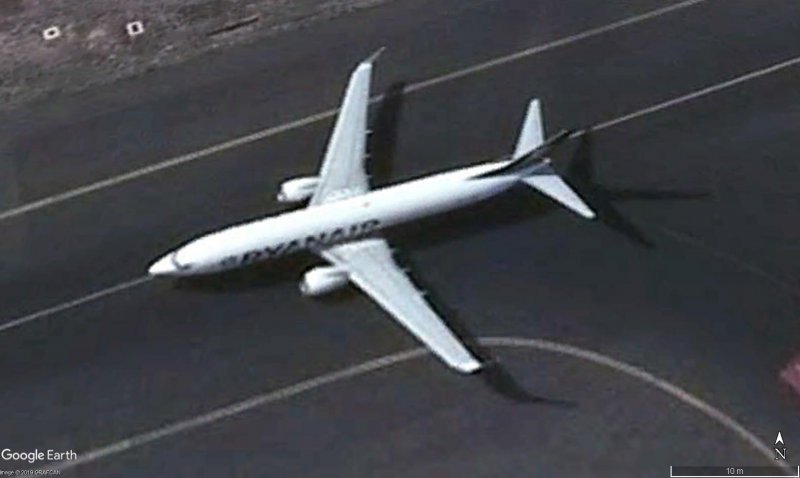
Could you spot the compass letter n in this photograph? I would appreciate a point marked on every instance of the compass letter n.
(780, 453)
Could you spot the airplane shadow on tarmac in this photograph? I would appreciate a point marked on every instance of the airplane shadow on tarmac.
(494, 374)
(581, 175)
(510, 208)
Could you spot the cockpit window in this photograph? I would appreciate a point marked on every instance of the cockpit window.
(174, 259)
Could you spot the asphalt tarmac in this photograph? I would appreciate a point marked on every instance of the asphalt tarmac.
(690, 276)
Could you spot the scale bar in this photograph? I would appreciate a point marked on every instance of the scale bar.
(726, 471)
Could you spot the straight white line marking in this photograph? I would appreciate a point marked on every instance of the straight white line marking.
(265, 133)
(73, 303)
(298, 388)
(549, 46)
(698, 93)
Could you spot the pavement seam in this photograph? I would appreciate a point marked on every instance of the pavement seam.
(285, 393)
(697, 243)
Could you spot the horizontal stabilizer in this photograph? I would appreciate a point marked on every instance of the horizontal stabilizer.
(547, 182)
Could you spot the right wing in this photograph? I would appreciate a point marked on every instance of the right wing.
(342, 174)
(370, 266)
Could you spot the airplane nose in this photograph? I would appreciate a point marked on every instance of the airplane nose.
(162, 267)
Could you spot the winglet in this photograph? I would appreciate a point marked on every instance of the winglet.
(469, 366)
(374, 55)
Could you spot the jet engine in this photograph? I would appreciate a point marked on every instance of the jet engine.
(297, 189)
(322, 280)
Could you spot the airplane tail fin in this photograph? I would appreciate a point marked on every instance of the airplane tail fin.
(531, 136)
(532, 147)
(530, 163)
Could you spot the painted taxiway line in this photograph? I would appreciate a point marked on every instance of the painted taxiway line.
(603, 125)
(535, 50)
(275, 130)
(74, 303)
(286, 393)
(699, 93)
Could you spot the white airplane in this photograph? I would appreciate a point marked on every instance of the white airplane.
(343, 216)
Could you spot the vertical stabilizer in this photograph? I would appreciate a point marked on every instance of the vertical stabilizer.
(531, 136)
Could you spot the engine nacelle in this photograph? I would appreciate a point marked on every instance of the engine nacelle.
(322, 280)
(297, 189)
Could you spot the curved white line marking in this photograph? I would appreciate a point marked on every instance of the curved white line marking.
(285, 393)
(265, 133)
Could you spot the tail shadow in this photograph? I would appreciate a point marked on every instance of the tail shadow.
(581, 175)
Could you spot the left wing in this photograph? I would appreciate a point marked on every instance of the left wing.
(342, 174)
(370, 266)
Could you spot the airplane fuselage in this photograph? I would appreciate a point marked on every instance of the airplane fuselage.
(334, 222)
(342, 211)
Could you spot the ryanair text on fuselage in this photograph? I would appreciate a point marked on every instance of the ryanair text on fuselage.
(325, 238)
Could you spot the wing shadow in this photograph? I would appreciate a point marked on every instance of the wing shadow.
(382, 142)
(495, 375)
